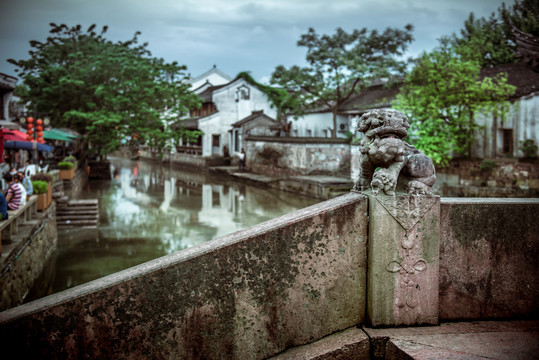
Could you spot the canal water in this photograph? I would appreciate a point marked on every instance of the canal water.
(148, 210)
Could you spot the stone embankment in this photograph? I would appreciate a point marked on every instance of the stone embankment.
(318, 186)
(25, 255)
(489, 178)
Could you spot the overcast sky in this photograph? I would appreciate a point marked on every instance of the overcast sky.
(235, 35)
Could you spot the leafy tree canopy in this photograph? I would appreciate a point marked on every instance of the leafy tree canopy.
(442, 94)
(104, 90)
(491, 41)
(340, 65)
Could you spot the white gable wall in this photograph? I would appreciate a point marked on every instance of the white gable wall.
(231, 111)
(214, 77)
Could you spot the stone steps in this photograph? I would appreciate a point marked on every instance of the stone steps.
(76, 210)
(82, 213)
(76, 217)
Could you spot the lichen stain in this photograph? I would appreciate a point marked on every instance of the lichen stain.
(494, 223)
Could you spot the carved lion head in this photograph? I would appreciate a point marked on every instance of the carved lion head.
(384, 123)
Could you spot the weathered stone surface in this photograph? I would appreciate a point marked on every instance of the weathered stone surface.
(23, 261)
(350, 344)
(403, 260)
(489, 256)
(248, 295)
(476, 340)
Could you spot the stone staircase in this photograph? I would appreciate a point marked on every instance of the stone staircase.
(77, 213)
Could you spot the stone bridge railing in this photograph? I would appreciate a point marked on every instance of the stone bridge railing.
(292, 281)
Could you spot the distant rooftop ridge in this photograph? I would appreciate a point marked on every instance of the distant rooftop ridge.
(213, 70)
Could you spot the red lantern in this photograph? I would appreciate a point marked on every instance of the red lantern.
(40, 134)
(30, 120)
(29, 137)
(29, 126)
(39, 122)
(30, 132)
(39, 128)
(40, 140)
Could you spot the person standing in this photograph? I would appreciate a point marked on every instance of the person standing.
(242, 157)
(27, 183)
(14, 194)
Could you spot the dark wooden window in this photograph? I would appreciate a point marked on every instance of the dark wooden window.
(206, 109)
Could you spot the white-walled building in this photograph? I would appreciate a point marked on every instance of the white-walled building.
(225, 105)
(319, 123)
(501, 137)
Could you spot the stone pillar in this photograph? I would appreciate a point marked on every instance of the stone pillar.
(402, 285)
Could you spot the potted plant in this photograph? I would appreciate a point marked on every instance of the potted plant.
(46, 178)
(41, 189)
(67, 170)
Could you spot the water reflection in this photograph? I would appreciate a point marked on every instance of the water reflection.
(148, 210)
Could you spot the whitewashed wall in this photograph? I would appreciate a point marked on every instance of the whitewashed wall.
(319, 125)
(303, 158)
(231, 111)
(523, 119)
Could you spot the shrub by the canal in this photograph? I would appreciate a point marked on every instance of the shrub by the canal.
(40, 186)
(65, 165)
(70, 159)
(41, 177)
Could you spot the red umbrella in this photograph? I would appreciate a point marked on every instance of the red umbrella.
(14, 135)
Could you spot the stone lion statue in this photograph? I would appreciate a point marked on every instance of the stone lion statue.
(387, 162)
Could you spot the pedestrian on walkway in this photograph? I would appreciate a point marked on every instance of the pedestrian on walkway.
(242, 157)
(26, 182)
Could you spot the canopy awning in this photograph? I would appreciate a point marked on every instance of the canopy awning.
(69, 133)
(56, 134)
(27, 145)
(14, 135)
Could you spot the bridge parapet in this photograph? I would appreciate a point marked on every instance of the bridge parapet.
(287, 282)
(251, 294)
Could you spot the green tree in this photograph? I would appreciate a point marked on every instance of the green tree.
(105, 90)
(491, 41)
(524, 14)
(442, 94)
(340, 65)
(486, 41)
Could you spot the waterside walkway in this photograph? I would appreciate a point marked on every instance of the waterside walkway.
(318, 186)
